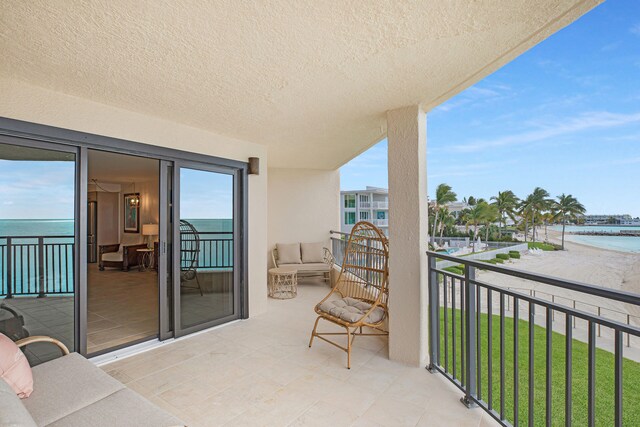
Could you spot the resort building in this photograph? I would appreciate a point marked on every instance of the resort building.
(370, 204)
(188, 147)
(606, 219)
(456, 208)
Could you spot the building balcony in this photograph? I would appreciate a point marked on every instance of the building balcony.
(381, 222)
(380, 205)
(262, 372)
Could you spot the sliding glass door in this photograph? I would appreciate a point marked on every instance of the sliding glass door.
(64, 276)
(38, 244)
(207, 248)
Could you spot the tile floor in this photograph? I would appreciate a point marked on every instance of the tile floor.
(260, 372)
(122, 306)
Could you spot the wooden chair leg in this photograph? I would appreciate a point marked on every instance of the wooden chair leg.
(348, 347)
(313, 333)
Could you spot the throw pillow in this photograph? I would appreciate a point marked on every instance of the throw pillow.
(289, 253)
(14, 368)
(312, 252)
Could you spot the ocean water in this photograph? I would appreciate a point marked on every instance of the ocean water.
(59, 250)
(616, 243)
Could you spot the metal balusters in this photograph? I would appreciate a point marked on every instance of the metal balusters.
(591, 379)
(516, 370)
(568, 369)
(473, 352)
(502, 357)
(618, 378)
(470, 335)
(549, 360)
(446, 325)
(478, 343)
(532, 322)
(453, 326)
(489, 350)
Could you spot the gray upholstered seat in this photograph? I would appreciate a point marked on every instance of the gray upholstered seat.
(308, 266)
(65, 385)
(351, 310)
(72, 391)
(122, 408)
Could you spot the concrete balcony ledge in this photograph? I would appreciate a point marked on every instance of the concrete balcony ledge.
(261, 372)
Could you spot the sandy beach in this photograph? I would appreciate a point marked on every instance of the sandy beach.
(582, 263)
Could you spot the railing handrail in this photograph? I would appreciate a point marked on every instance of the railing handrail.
(622, 296)
(37, 237)
(536, 292)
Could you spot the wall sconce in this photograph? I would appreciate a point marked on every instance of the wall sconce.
(254, 166)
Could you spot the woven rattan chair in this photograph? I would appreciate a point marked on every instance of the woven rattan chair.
(360, 295)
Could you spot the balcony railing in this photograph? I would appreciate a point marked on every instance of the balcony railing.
(380, 205)
(216, 250)
(44, 265)
(36, 265)
(500, 347)
(380, 222)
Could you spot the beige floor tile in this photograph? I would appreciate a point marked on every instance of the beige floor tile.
(260, 372)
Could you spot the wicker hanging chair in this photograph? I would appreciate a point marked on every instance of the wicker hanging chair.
(360, 295)
(189, 254)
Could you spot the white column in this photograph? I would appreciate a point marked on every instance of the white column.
(408, 338)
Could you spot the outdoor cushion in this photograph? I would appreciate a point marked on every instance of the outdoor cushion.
(312, 252)
(289, 253)
(123, 408)
(14, 368)
(12, 411)
(351, 310)
(307, 267)
(65, 385)
(112, 256)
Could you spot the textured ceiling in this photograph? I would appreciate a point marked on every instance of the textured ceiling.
(311, 80)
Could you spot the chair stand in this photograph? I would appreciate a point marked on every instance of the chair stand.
(351, 335)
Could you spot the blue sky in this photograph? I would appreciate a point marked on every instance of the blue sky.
(564, 116)
(45, 190)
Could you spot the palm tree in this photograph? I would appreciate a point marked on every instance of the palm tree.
(444, 195)
(536, 203)
(475, 216)
(566, 207)
(446, 220)
(525, 209)
(490, 216)
(506, 202)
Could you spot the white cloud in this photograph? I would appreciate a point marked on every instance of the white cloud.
(556, 128)
(635, 29)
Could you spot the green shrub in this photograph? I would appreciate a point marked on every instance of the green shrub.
(502, 256)
(514, 254)
(489, 261)
(498, 260)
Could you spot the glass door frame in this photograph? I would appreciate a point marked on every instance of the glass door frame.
(240, 302)
(50, 137)
(79, 227)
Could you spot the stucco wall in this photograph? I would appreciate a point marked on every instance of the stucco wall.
(34, 104)
(304, 204)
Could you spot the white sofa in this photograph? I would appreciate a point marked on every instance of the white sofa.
(308, 259)
(71, 391)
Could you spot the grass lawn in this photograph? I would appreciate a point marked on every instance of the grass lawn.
(604, 374)
(540, 245)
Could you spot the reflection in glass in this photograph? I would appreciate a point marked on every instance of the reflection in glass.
(37, 227)
(206, 247)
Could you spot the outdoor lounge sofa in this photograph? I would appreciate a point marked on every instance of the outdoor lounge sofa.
(308, 259)
(71, 391)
